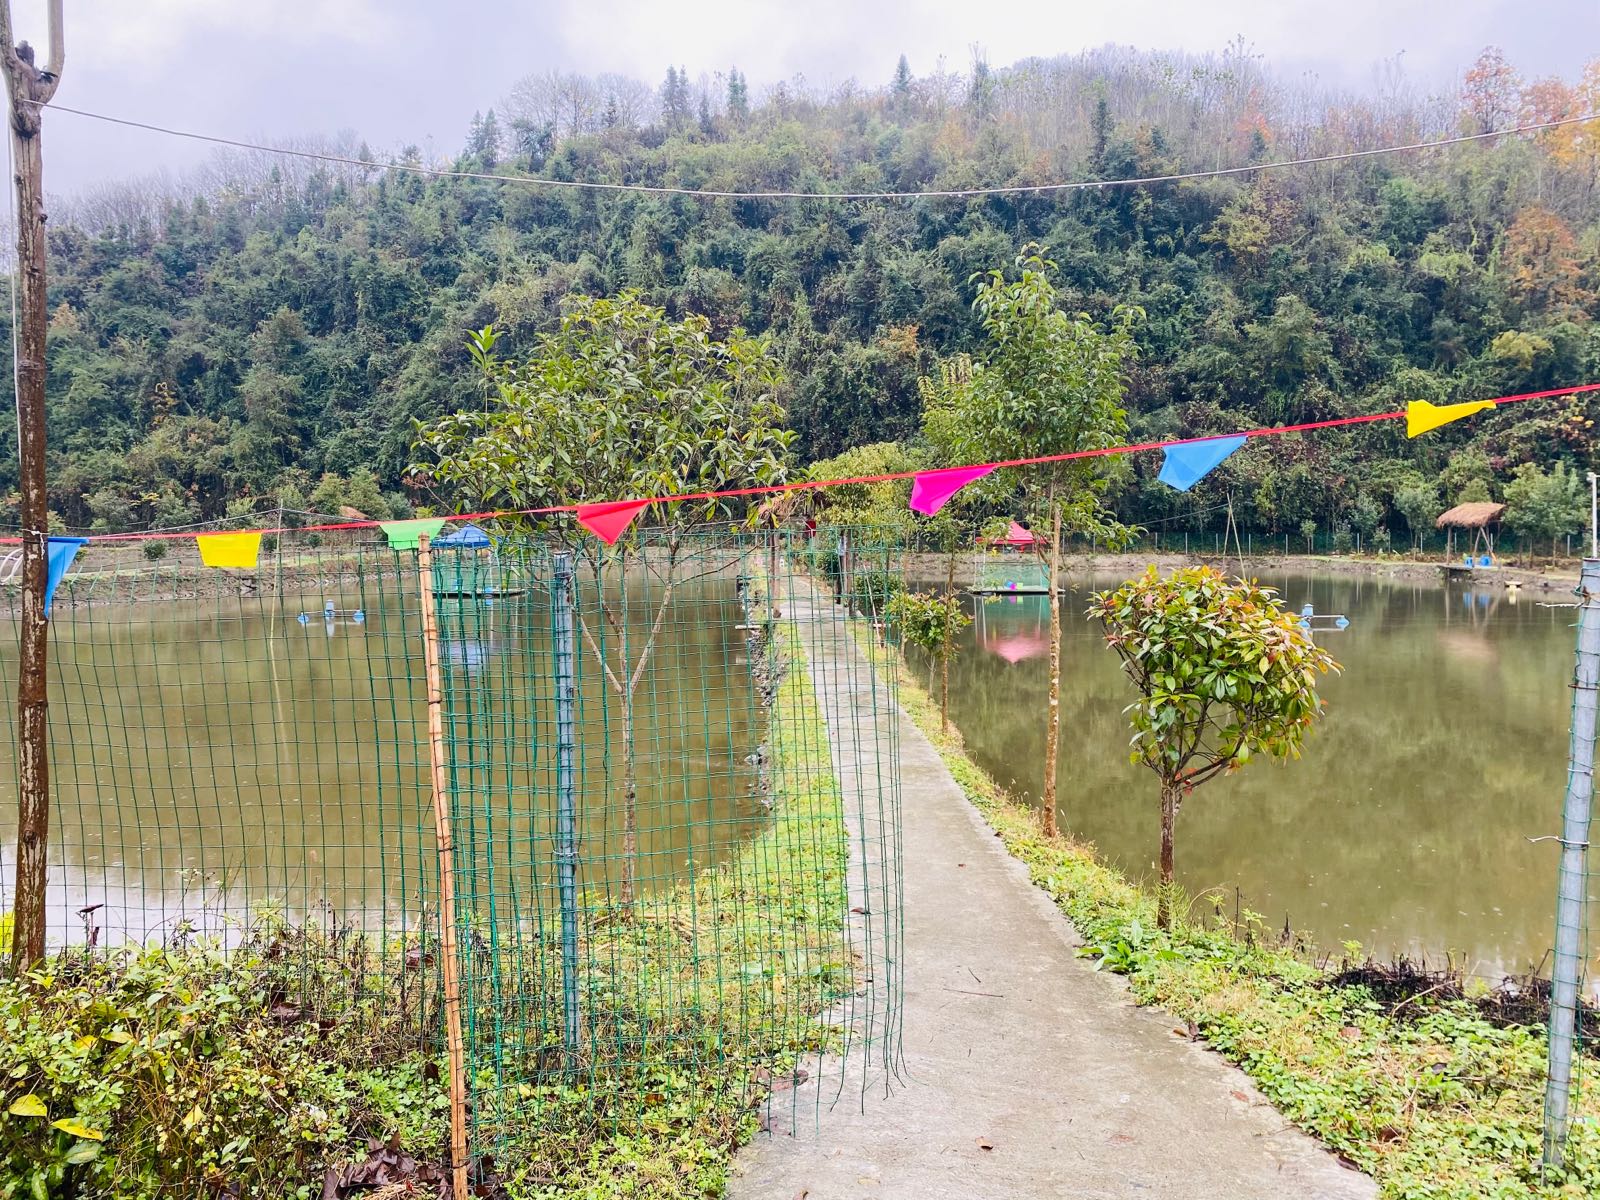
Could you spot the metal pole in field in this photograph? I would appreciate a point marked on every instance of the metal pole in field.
(566, 799)
(1570, 889)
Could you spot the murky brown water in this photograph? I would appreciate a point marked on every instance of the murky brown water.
(213, 756)
(1405, 826)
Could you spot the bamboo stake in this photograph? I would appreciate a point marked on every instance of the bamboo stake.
(447, 885)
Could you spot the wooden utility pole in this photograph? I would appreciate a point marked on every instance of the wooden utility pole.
(30, 89)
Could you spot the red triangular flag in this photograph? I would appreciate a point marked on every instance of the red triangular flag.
(931, 489)
(610, 521)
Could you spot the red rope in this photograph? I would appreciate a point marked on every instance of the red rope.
(811, 484)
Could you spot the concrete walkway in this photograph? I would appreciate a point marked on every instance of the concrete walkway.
(1027, 1074)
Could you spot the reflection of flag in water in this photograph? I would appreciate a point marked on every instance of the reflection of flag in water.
(1015, 628)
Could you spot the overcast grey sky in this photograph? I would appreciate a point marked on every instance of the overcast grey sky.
(398, 71)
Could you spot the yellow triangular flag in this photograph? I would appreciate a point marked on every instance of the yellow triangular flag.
(229, 549)
(1422, 416)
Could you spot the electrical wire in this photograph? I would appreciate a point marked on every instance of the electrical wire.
(717, 194)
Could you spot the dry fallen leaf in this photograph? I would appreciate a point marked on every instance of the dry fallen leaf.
(1239, 1096)
(985, 1144)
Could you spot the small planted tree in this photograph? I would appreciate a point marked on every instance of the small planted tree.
(1542, 504)
(1224, 675)
(1419, 504)
(930, 622)
(1048, 382)
(621, 402)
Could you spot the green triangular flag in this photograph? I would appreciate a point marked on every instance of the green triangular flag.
(403, 535)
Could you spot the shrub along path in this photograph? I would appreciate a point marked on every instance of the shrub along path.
(1027, 1074)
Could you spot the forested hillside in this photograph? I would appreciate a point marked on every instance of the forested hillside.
(226, 346)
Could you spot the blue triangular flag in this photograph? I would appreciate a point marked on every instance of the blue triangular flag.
(1188, 464)
(62, 550)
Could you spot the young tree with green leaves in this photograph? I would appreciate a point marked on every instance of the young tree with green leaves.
(1419, 505)
(930, 622)
(874, 511)
(620, 402)
(1224, 675)
(1048, 382)
(1547, 504)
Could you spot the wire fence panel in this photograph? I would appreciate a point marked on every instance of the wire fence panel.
(222, 744)
(658, 863)
(671, 789)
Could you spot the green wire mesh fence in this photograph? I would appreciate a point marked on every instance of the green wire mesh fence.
(676, 829)
(669, 773)
(238, 758)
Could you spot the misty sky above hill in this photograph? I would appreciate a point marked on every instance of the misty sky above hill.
(415, 71)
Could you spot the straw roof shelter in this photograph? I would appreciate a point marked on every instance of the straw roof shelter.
(1475, 514)
(1478, 516)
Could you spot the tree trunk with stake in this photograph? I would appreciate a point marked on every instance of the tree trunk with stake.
(1052, 729)
(1169, 820)
(29, 89)
(944, 654)
(624, 681)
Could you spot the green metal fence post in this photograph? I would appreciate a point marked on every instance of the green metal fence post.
(1570, 890)
(566, 799)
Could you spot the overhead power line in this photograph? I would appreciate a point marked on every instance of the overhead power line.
(717, 194)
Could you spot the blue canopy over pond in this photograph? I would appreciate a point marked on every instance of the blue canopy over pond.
(468, 537)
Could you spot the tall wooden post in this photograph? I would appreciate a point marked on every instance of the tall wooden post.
(445, 844)
(29, 88)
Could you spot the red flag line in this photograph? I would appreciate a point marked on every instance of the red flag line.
(614, 509)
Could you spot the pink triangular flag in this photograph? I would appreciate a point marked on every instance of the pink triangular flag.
(932, 489)
(610, 521)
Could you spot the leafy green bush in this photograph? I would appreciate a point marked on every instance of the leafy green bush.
(190, 1071)
(871, 591)
(155, 550)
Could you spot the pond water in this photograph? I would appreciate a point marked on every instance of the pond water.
(1404, 827)
(212, 756)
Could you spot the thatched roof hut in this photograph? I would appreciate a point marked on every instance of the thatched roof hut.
(1478, 517)
(1475, 514)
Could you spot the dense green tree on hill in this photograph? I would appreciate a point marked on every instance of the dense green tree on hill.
(277, 319)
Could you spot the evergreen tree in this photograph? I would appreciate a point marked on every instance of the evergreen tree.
(738, 97)
(1100, 128)
(900, 89)
(675, 107)
(483, 139)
